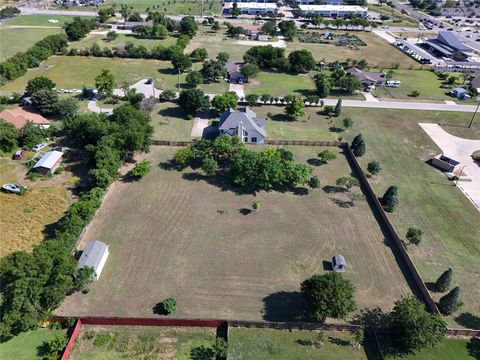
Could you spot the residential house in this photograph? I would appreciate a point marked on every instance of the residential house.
(243, 123)
(19, 117)
(368, 78)
(130, 25)
(460, 93)
(48, 163)
(234, 75)
(475, 85)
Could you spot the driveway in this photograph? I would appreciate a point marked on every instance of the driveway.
(199, 126)
(93, 107)
(237, 89)
(460, 150)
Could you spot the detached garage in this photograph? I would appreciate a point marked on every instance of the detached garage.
(48, 163)
(95, 255)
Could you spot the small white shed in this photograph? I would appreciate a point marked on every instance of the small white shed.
(95, 255)
(339, 264)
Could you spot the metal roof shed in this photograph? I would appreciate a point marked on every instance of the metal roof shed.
(339, 264)
(49, 162)
(94, 255)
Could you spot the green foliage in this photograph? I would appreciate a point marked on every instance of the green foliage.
(104, 14)
(450, 302)
(349, 84)
(256, 204)
(269, 28)
(112, 35)
(323, 85)
(104, 338)
(39, 83)
(327, 155)
(235, 11)
(45, 101)
(443, 282)
(314, 182)
(188, 26)
(213, 69)
(9, 12)
(288, 28)
(79, 28)
(183, 156)
(390, 198)
(54, 348)
(83, 277)
(413, 327)
(476, 155)
(267, 57)
(141, 169)
(373, 167)
(296, 108)
(220, 348)
(169, 305)
(32, 134)
(414, 93)
(249, 71)
(67, 108)
(252, 99)
(167, 96)
(223, 57)
(328, 295)
(358, 145)
(209, 166)
(225, 101)
(358, 338)
(181, 62)
(348, 182)
(414, 235)
(194, 78)
(301, 61)
(192, 100)
(105, 82)
(199, 54)
(347, 122)
(8, 136)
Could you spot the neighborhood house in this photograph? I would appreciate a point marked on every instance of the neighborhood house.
(243, 123)
(48, 163)
(94, 255)
(234, 75)
(368, 78)
(19, 117)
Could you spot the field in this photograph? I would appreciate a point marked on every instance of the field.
(266, 344)
(25, 345)
(122, 39)
(169, 122)
(14, 40)
(87, 68)
(181, 222)
(174, 7)
(24, 219)
(401, 20)
(277, 84)
(141, 342)
(39, 20)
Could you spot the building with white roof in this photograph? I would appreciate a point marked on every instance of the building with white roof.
(336, 11)
(49, 162)
(251, 8)
(95, 256)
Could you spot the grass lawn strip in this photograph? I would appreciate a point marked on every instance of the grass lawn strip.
(14, 40)
(121, 40)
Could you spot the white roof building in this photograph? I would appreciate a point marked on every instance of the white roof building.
(49, 162)
(335, 10)
(252, 8)
(338, 263)
(94, 255)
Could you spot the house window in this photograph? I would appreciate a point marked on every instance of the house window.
(245, 133)
(245, 139)
(254, 139)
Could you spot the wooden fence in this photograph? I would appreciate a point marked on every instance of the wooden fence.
(304, 143)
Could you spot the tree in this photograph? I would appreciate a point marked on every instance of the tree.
(349, 84)
(265, 98)
(413, 327)
(169, 305)
(194, 78)
(327, 155)
(328, 295)
(105, 13)
(323, 85)
(347, 182)
(249, 71)
(67, 108)
(296, 108)
(443, 282)
(301, 61)
(105, 82)
(288, 28)
(181, 62)
(39, 83)
(269, 28)
(79, 28)
(216, 26)
(213, 69)
(414, 235)
(390, 198)
(347, 122)
(374, 167)
(450, 302)
(45, 101)
(209, 166)
(188, 26)
(358, 145)
(141, 169)
(223, 57)
(55, 346)
(252, 99)
(358, 338)
(199, 54)
(256, 205)
(338, 108)
(192, 100)
(167, 96)
(235, 10)
(112, 36)
(8, 136)
(83, 277)
(225, 101)
(314, 182)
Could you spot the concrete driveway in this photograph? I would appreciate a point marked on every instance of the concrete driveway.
(460, 150)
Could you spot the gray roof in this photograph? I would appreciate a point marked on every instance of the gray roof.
(460, 90)
(233, 70)
(364, 76)
(450, 39)
(49, 160)
(231, 118)
(339, 260)
(475, 83)
(92, 255)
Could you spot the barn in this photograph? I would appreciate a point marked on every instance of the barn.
(94, 255)
(49, 162)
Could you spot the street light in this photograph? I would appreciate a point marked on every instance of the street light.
(475, 113)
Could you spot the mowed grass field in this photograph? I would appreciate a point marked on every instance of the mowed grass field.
(14, 40)
(39, 20)
(137, 342)
(277, 84)
(175, 234)
(171, 7)
(266, 344)
(121, 40)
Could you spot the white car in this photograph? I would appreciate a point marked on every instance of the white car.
(39, 147)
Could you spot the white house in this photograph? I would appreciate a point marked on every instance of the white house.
(243, 123)
(49, 162)
(251, 8)
(94, 255)
(337, 11)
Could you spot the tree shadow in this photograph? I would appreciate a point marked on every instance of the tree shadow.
(327, 265)
(159, 309)
(468, 320)
(316, 162)
(330, 189)
(282, 117)
(168, 71)
(171, 165)
(300, 191)
(43, 350)
(305, 92)
(371, 317)
(390, 348)
(345, 204)
(431, 286)
(335, 129)
(338, 341)
(473, 347)
(219, 181)
(174, 112)
(284, 306)
(245, 211)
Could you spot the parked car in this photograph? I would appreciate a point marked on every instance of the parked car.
(39, 147)
(13, 188)
(18, 155)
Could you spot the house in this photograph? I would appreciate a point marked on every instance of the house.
(475, 85)
(460, 93)
(19, 117)
(445, 163)
(252, 8)
(130, 25)
(234, 75)
(94, 255)
(339, 264)
(251, 31)
(243, 123)
(368, 78)
(447, 45)
(49, 162)
(335, 11)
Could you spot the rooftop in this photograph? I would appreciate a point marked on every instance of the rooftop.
(92, 254)
(231, 118)
(49, 159)
(252, 5)
(19, 117)
(332, 8)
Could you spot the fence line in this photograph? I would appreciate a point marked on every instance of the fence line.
(294, 325)
(267, 142)
(71, 341)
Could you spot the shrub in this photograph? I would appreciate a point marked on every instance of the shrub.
(167, 96)
(327, 155)
(169, 305)
(414, 235)
(256, 204)
(414, 93)
(476, 155)
(314, 182)
(105, 338)
(141, 169)
(374, 167)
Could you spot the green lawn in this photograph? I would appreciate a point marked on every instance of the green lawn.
(424, 81)
(38, 20)
(172, 7)
(400, 19)
(265, 344)
(169, 122)
(121, 40)
(449, 349)
(279, 84)
(25, 346)
(14, 40)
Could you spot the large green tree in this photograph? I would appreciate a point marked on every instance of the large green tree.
(105, 82)
(288, 28)
(249, 71)
(225, 101)
(301, 61)
(390, 198)
(358, 145)
(67, 108)
(39, 83)
(323, 85)
(45, 101)
(192, 100)
(328, 295)
(188, 26)
(296, 108)
(194, 79)
(450, 302)
(443, 282)
(8, 136)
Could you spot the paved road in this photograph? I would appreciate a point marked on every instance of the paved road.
(460, 150)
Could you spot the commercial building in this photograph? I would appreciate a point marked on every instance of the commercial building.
(252, 8)
(447, 45)
(335, 11)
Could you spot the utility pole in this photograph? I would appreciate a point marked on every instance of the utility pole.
(475, 113)
(202, 10)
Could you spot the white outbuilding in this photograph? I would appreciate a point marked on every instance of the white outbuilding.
(339, 264)
(95, 255)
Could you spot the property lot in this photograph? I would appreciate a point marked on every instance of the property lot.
(121, 40)
(137, 342)
(14, 40)
(174, 234)
(38, 20)
(265, 344)
(278, 84)
(183, 7)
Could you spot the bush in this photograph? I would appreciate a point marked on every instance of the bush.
(105, 338)
(167, 96)
(255, 204)
(414, 93)
(476, 155)
(141, 169)
(53, 348)
(169, 305)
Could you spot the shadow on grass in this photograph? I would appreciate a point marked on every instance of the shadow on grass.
(284, 306)
(468, 320)
(431, 286)
(371, 317)
(391, 349)
(335, 129)
(473, 347)
(338, 341)
(168, 71)
(282, 117)
(316, 162)
(174, 112)
(327, 265)
(330, 189)
(202, 353)
(245, 211)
